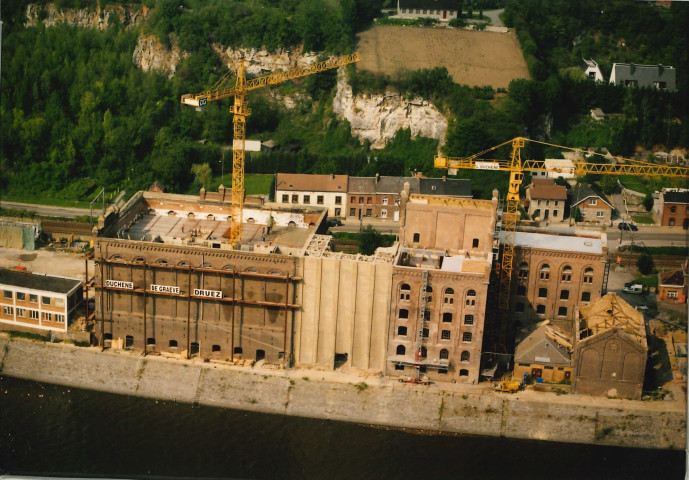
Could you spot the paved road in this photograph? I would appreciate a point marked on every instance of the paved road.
(494, 16)
(48, 210)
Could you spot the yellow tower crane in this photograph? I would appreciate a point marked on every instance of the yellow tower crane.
(516, 167)
(240, 110)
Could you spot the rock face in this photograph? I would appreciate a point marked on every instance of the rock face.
(377, 118)
(98, 18)
(261, 62)
(150, 54)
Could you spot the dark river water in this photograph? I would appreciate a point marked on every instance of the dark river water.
(59, 431)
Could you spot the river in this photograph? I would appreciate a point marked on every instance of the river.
(61, 431)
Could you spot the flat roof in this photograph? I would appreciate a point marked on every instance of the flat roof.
(564, 243)
(440, 260)
(46, 283)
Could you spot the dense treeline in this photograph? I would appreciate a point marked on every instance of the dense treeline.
(76, 113)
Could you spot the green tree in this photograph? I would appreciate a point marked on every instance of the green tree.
(202, 174)
(645, 263)
(648, 202)
(369, 240)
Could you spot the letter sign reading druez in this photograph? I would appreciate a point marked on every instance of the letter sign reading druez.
(165, 289)
(198, 292)
(119, 284)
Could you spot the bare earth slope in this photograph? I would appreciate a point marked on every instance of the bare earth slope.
(472, 58)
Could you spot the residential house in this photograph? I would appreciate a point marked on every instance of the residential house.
(610, 349)
(672, 286)
(545, 353)
(597, 114)
(644, 76)
(592, 203)
(674, 207)
(546, 200)
(301, 190)
(40, 302)
(591, 70)
(442, 10)
(379, 196)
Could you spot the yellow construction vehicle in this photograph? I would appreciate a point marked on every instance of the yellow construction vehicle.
(516, 167)
(240, 110)
(508, 386)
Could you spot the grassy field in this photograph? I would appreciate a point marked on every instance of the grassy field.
(643, 219)
(45, 199)
(472, 58)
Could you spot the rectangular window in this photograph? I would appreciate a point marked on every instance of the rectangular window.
(547, 203)
(672, 222)
(33, 314)
(285, 198)
(445, 335)
(353, 200)
(562, 312)
(474, 243)
(21, 312)
(21, 296)
(338, 212)
(600, 214)
(8, 310)
(385, 200)
(7, 294)
(319, 199)
(361, 199)
(671, 294)
(45, 300)
(585, 296)
(673, 209)
(33, 298)
(564, 294)
(307, 199)
(424, 333)
(540, 309)
(556, 204)
(384, 213)
(352, 212)
(466, 337)
(593, 201)
(542, 292)
(295, 198)
(554, 213)
(338, 200)
(368, 212)
(369, 201)
(417, 238)
(46, 317)
(468, 319)
(59, 318)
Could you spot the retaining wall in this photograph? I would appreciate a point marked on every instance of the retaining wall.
(528, 415)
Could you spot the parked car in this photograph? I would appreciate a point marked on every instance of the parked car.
(643, 308)
(334, 222)
(627, 226)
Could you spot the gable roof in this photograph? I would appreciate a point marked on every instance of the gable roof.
(446, 187)
(546, 189)
(676, 196)
(34, 281)
(396, 184)
(301, 182)
(585, 190)
(545, 344)
(675, 278)
(644, 75)
(432, 4)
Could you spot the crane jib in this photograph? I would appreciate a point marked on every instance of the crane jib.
(487, 165)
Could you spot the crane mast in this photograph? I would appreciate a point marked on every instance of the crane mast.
(516, 168)
(240, 111)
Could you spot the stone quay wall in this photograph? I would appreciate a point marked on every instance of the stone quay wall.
(331, 395)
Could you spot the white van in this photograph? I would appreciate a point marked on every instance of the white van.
(635, 288)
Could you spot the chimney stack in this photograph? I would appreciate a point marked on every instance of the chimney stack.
(377, 177)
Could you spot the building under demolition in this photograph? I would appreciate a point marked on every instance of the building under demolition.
(168, 282)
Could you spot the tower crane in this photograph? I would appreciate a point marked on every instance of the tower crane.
(516, 168)
(240, 111)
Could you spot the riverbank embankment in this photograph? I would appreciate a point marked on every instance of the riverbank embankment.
(368, 400)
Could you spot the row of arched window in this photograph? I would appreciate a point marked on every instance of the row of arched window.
(444, 354)
(565, 273)
(184, 263)
(448, 295)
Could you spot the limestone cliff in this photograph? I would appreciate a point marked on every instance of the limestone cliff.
(98, 18)
(377, 118)
(150, 54)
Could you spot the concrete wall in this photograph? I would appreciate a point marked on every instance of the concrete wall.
(542, 416)
(345, 305)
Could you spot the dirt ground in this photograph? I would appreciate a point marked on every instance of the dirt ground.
(472, 58)
(61, 263)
